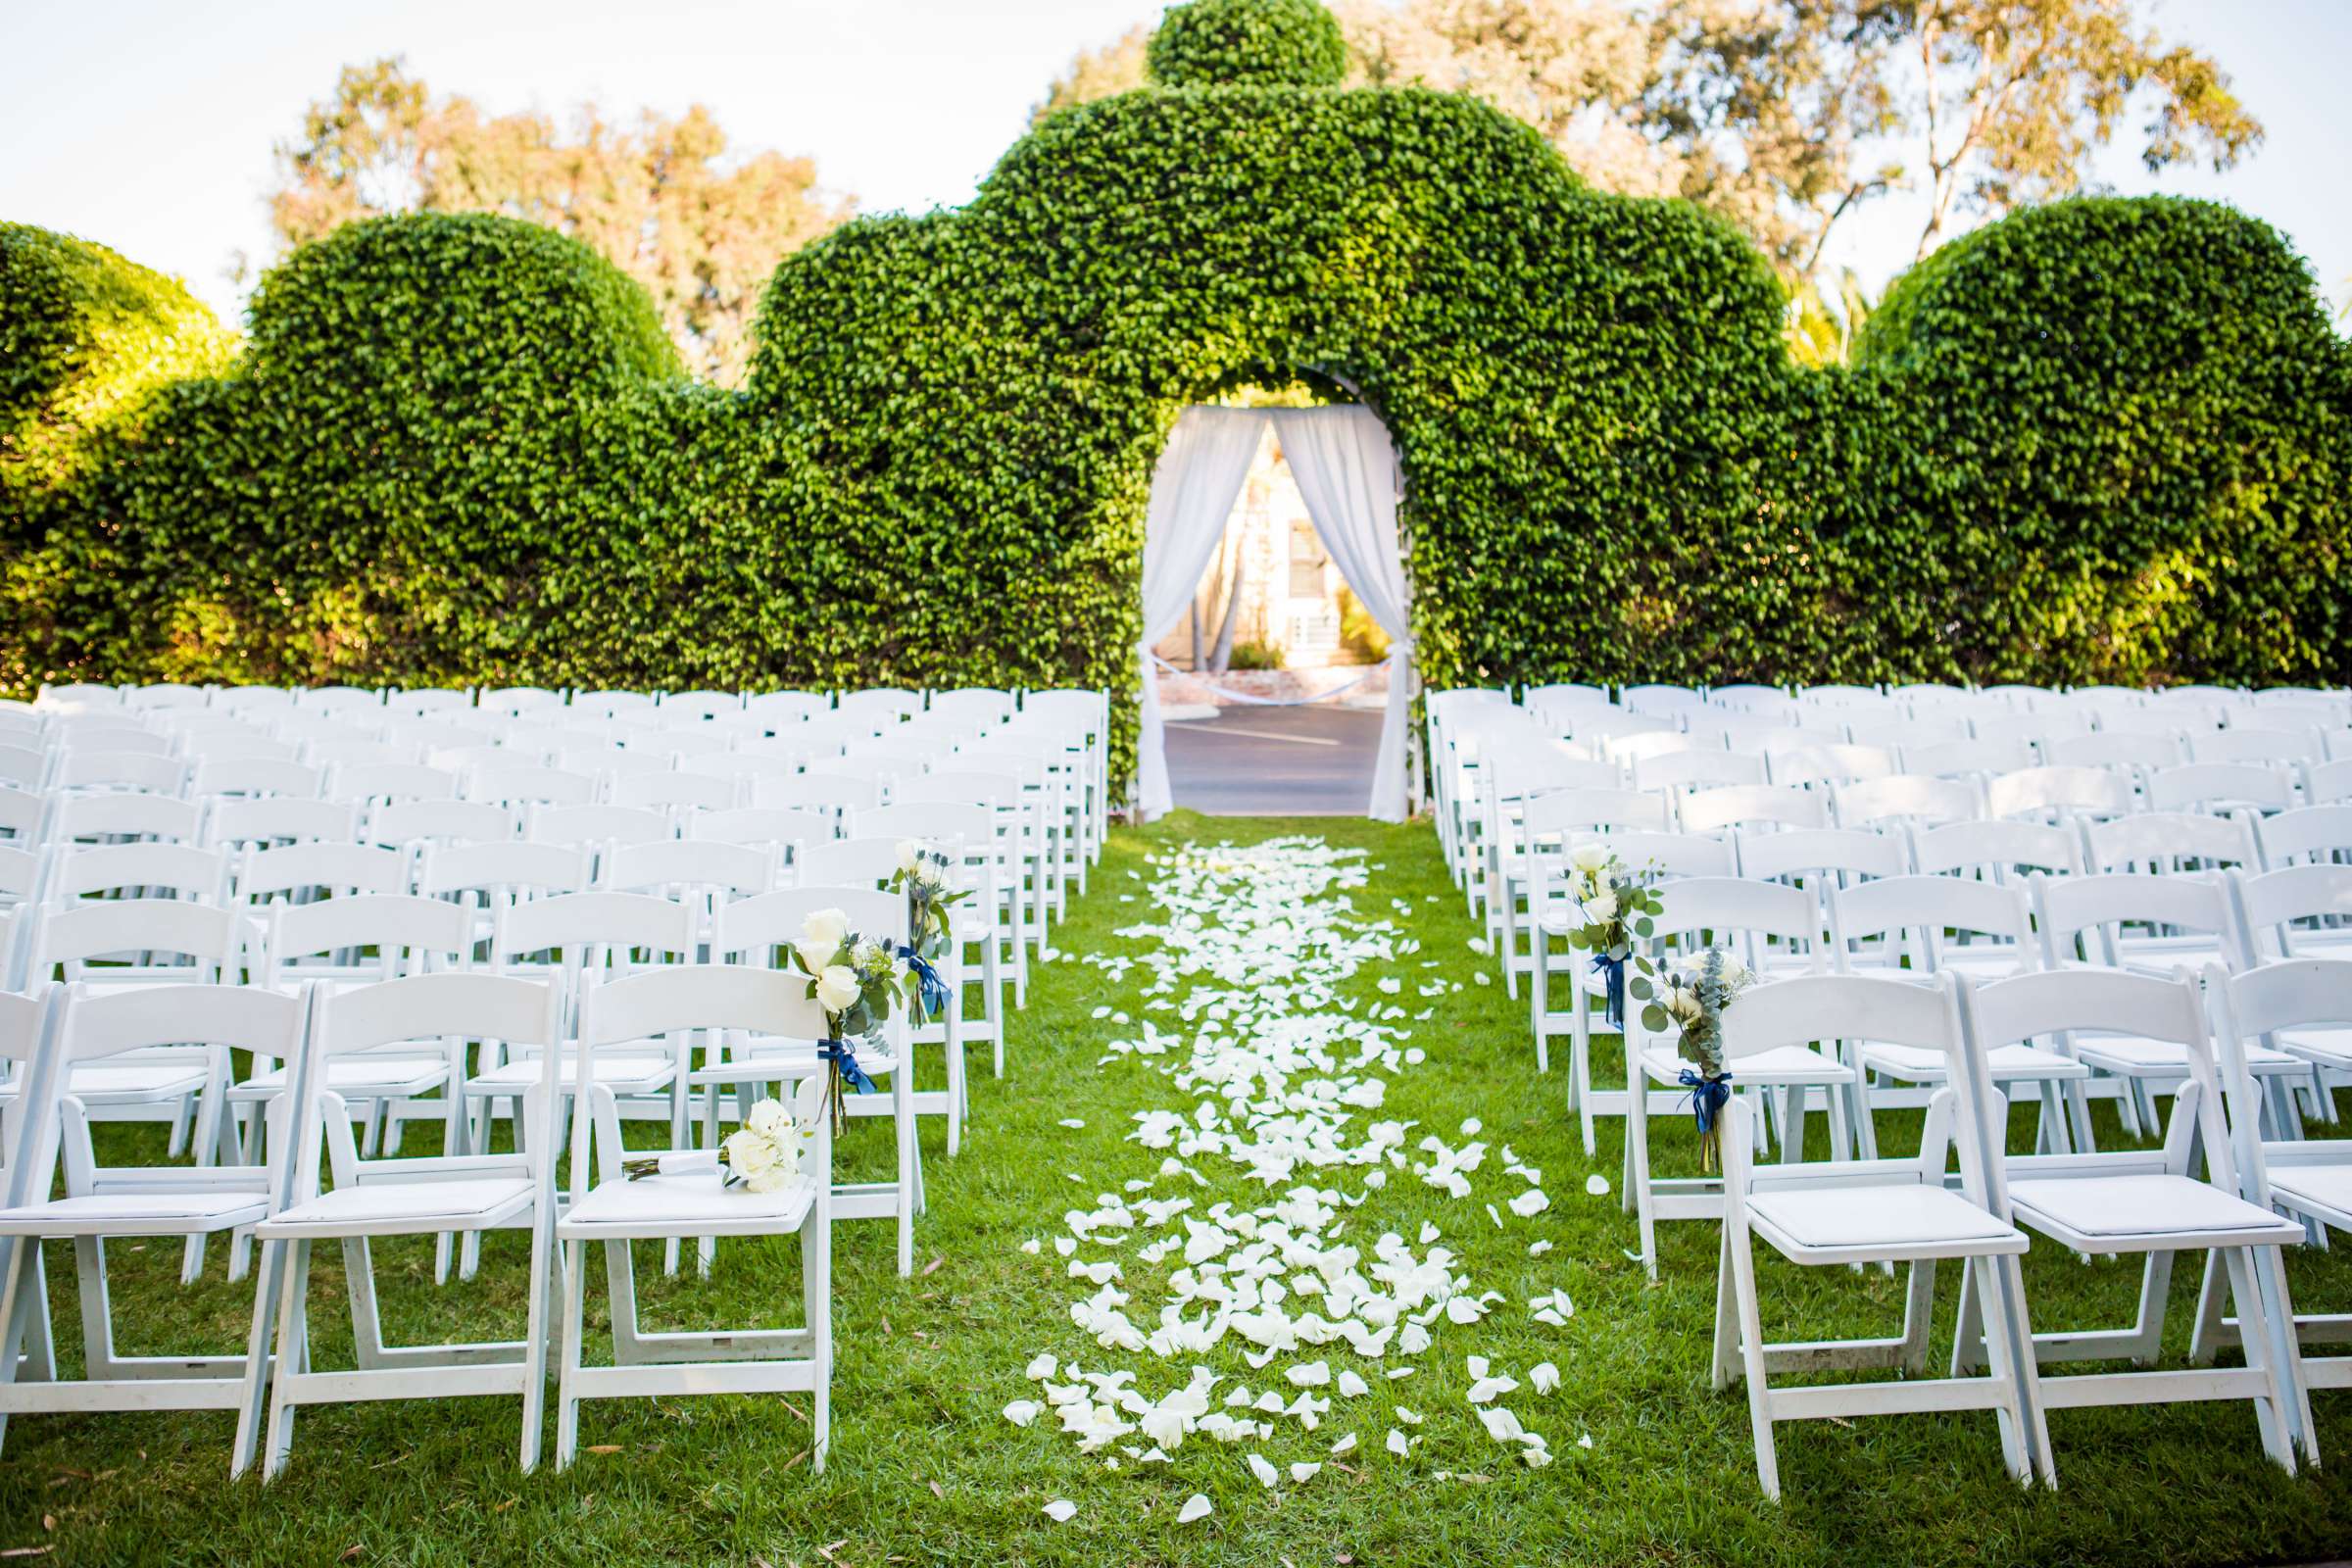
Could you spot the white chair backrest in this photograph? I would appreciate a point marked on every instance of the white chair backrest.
(590, 825)
(2306, 833)
(1905, 798)
(180, 868)
(280, 819)
(2220, 786)
(135, 770)
(400, 823)
(331, 868)
(2093, 910)
(528, 785)
(709, 791)
(2168, 841)
(392, 781)
(366, 937)
(819, 787)
(208, 937)
(502, 870)
(758, 825)
(1914, 913)
(1753, 805)
(2040, 792)
(750, 930)
(850, 863)
(2113, 749)
(1585, 813)
(257, 775)
(2280, 906)
(1696, 769)
(681, 867)
(1832, 854)
(1671, 855)
(122, 816)
(1824, 762)
(2002, 848)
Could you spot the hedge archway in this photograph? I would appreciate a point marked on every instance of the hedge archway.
(451, 451)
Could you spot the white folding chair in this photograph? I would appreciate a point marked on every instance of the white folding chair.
(1904, 800)
(1872, 1210)
(103, 1202)
(2282, 1005)
(752, 932)
(375, 1198)
(1751, 807)
(1879, 926)
(1745, 919)
(2146, 1202)
(612, 1207)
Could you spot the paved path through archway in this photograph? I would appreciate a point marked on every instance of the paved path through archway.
(1310, 760)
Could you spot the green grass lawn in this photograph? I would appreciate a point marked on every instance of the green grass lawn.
(924, 1468)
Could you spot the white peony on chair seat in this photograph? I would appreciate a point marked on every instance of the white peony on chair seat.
(1890, 1222)
(2106, 1213)
(388, 1207)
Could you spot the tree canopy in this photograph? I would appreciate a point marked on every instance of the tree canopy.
(660, 197)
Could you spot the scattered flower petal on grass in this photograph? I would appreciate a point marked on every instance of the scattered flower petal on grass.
(1195, 1508)
(1060, 1510)
(1020, 1412)
(1263, 1469)
(1597, 1185)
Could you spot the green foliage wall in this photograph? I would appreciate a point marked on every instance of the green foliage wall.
(2108, 439)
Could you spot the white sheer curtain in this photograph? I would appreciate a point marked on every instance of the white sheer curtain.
(1346, 473)
(1199, 475)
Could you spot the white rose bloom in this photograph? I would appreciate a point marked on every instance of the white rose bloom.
(1604, 907)
(770, 1120)
(911, 855)
(815, 956)
(1590, 857)
(750, 1154)
(828, 926)
(837, 988)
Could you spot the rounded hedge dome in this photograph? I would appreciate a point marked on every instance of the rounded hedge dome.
(1248, 43)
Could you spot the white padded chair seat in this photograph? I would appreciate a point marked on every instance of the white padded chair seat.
(2134, 1057)
(1863, 1218)
(391, 1208)
(689, 1204)
(1779, 1066)
(2324, 1186)
(2330, 1047)
(2166, 956)
(2086, 1210)
(135, 1215)
(1920, 1064)
(136, 1080)
(357, 1075)
(622, 1073)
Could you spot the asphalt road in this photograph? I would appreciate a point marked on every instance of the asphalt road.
(1275, 761)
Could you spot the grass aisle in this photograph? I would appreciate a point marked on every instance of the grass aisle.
(926, 1468)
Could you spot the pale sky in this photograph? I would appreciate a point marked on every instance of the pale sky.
(146, 125)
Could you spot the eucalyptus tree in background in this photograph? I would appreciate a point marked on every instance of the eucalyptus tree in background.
(1787, 116)
(659, 197)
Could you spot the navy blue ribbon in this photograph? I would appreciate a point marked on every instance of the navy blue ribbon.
(1708, 1097)
(931, 991)
(1612, 971)
(845, 1062)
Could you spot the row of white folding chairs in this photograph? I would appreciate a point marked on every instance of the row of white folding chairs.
(1964, 1197)
(1926, 699)
(375, 936)
(291, 1212)
(407, 806)
(1859, 897)
(2196, 813)
(1061, 730)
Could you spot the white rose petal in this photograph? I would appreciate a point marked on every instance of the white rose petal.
(1060, 1510)
(1195, 1508)
(1264, 1470)
(1544, 1377)
(1020, 1412)
(1302, 1472)
(1597, 1185)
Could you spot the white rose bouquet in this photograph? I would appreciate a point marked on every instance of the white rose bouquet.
(923, 875)
(857, 980)
(762, 1155)
(1693, 998)
(1618, 905)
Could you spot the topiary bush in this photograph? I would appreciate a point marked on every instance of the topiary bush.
(1248, 43)
(2109, 439)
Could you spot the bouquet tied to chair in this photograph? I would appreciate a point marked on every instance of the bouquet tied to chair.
(923, 876)
(1693, 998)
(1618, 905)
(857, 980)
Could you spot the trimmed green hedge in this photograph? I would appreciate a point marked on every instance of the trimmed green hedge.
(2102, 440)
